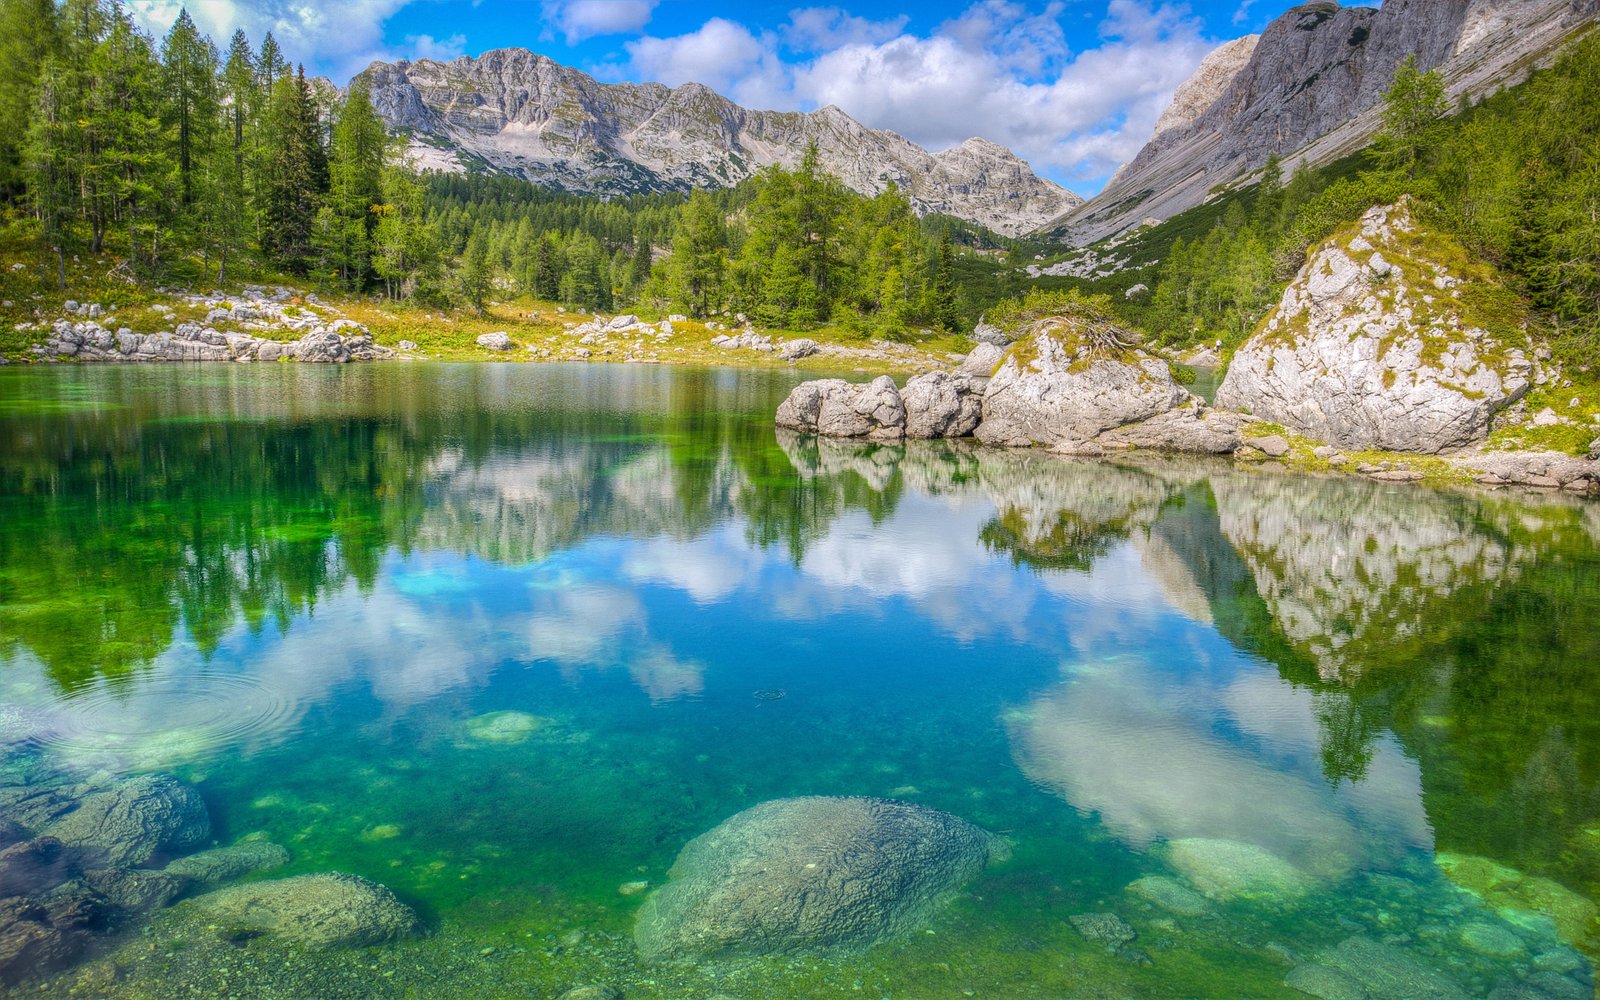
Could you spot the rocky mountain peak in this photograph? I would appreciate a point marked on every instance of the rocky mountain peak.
(517, 112)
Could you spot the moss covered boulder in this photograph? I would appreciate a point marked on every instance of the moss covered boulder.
(810, 874)
(1390, 337)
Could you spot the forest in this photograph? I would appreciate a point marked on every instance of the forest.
(194, 164)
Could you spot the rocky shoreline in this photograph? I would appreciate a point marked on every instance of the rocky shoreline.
(1374, 363)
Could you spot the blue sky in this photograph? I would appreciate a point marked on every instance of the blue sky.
(1074, 86)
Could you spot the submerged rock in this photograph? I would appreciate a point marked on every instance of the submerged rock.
(1378, 343)
(810, 874)
(135, 822)
(1230, 869)
(313, 911)
(504, 727)
(1103, 928)
(1383, 970)
(223, 864)
(34, 866)
(1171, 895)
(136, 889)
(1071, 378)
(1576, 918)
(38, 936)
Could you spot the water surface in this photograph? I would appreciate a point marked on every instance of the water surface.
(314, 593)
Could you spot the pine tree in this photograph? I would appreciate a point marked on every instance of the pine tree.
(190, 85)
(1412, 110)
(355, 168)
(698, 262)
(295, 176)
(28, 36)
(474, 277)
(240, 99)
(942, 305)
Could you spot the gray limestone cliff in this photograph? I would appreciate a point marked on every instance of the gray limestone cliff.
(1311, 90)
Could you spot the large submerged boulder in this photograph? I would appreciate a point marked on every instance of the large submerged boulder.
(810, 874)
(1391, 337)
(1071, 377)
(135, 822)
(312, 911)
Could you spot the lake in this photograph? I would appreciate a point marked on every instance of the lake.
(505, 638)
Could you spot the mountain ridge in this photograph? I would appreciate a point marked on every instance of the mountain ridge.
(518, 112)
(1311, 91)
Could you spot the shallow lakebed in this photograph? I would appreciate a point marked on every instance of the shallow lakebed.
(504, 639)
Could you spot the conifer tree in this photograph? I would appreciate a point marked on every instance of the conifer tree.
(28, 36)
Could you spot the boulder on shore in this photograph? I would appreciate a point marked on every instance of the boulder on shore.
(941, 405)
(1072, 377)
(835, 408)
(810, 874)
(1389, 338)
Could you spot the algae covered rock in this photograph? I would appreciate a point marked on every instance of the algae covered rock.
(223, 864)
(810, 874)
(1576, 918)
(504, 727)
(313, 911)
(1073, 376)
(135, 822)
(1391, 337)
(1231, 869)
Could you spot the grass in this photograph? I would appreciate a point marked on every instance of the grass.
(542, 331)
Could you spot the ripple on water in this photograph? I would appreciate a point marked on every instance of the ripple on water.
(164, 719)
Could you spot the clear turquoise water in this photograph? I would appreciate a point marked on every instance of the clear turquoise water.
(309, 591)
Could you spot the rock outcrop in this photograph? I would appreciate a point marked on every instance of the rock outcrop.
(1069, 381)
(810, 874)
(1383, 341)
(520, 113)
(1310, 90)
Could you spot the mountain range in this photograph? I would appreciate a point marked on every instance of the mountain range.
(520, 113)
(1309, 88)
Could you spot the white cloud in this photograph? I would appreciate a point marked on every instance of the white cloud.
(723, 55)
(340, 37)
(817, 29)
(440, 49)
(577, 20)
